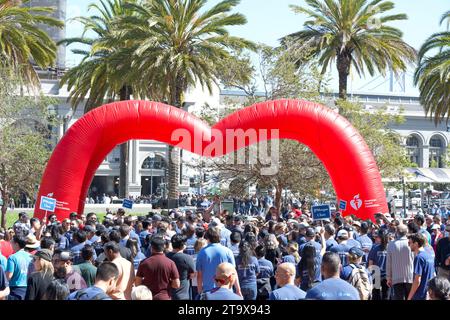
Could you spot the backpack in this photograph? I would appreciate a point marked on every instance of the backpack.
(360, 280)
(98, 296)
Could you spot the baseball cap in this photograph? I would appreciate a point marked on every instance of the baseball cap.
(435, 227)
(310, 232)
(303, 225)
(342, 233)
(101, 228)
(89, 228)
(109, 216)
(355, 251)
(156, 217)
(44, 254)
(356, 223)
(66, 255)
(73, 214)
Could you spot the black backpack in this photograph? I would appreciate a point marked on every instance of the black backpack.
(99, 296)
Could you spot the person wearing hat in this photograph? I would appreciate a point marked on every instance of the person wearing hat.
(225, 279)
(343, 247)
(436, 235)
(310, 236)
(377, 257)
(31, 243)
(64, 269)
(356, 274)
(442, 258)
(39, 280)
(364, 240)
(16, 264)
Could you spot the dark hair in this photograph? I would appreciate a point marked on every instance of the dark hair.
(440, 287)
(80, 236)
(307, 263)
(21, 242)
(199, 232)
(178, 241)
(107, 271)
(132, 244)
(87, 252)
(213, 235)
(417, 238)
(260, 251)
(235, 237)
(420, 220)
(364, 227)
(47, 242)
(57, 290)
(128, 221)
(245, 253)
(114, 236)
(146, 223)
(331, 262)
(34, 220)
(413, 228)
(90, 214)
(189, 231)
(157, 244)
(384, 236)
(112, 245)
(124, 230)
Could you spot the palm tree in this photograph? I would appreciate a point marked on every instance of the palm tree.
(177, 44)
(100, 76)
(22, 42)
(433, 74)
(352, 33)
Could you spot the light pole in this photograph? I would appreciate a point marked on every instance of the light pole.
(404, 197)
(152, 158)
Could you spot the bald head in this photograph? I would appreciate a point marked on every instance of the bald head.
(402, 230)
(225, 274)
(285, 274)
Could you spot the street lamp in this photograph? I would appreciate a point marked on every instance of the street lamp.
(152, 157)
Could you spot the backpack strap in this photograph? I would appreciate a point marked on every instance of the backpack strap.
(80, 293)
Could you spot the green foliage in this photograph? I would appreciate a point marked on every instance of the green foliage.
(354, 34)
(25, 138)
(433, 74)
(22, 40)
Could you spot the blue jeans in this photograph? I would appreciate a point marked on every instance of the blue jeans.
(17, 293)
(249, 291)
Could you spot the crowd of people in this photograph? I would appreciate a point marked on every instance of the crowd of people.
(210, 253)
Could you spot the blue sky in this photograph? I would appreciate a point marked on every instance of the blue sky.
(269, 20)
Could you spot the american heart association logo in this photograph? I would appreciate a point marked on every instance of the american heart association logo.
(356, 203)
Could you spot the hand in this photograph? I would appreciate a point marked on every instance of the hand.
(389, 283)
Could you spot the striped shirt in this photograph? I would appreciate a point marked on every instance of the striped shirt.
(399, 263)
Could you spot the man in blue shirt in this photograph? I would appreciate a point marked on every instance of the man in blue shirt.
(105, 283)
(264, 275)
(420, 221)
(329, 236)
(80, 241)
(423, 268)
(310, 234)
(4, 285)
(332, 288)
(17, 269)
(343, 247)
(285, 276)
(209, 258)
(225, 278)
(364, 240)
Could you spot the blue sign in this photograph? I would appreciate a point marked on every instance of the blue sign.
(321, 212)
(47, 204)
(127, 204)
(342, 204)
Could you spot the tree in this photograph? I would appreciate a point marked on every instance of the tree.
(177, 44)
(23, 42)
(299, 170)
(25, 140)
(103, 74)
(352, 33)
(433, 74)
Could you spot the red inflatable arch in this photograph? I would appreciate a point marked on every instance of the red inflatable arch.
(331, 137)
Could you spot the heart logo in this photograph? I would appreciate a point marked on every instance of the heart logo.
(356, 203)
(331, 137)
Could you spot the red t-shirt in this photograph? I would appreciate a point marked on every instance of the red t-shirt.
(157, 273)
(298, 213)
(6, 248)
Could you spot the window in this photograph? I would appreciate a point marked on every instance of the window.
(156, 163)
(437, 152)
(412, 149)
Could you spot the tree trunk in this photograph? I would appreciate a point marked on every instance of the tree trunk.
(277, 202)
(343, 66)
(125, 94)
(174, 153)
(5, 198)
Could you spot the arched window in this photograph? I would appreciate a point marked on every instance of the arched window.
(157, 162)
(437, 152)
(413, 149)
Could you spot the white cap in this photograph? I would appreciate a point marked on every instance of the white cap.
(109, 216)
(435, 226)
(342, 233)
(304, 224)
